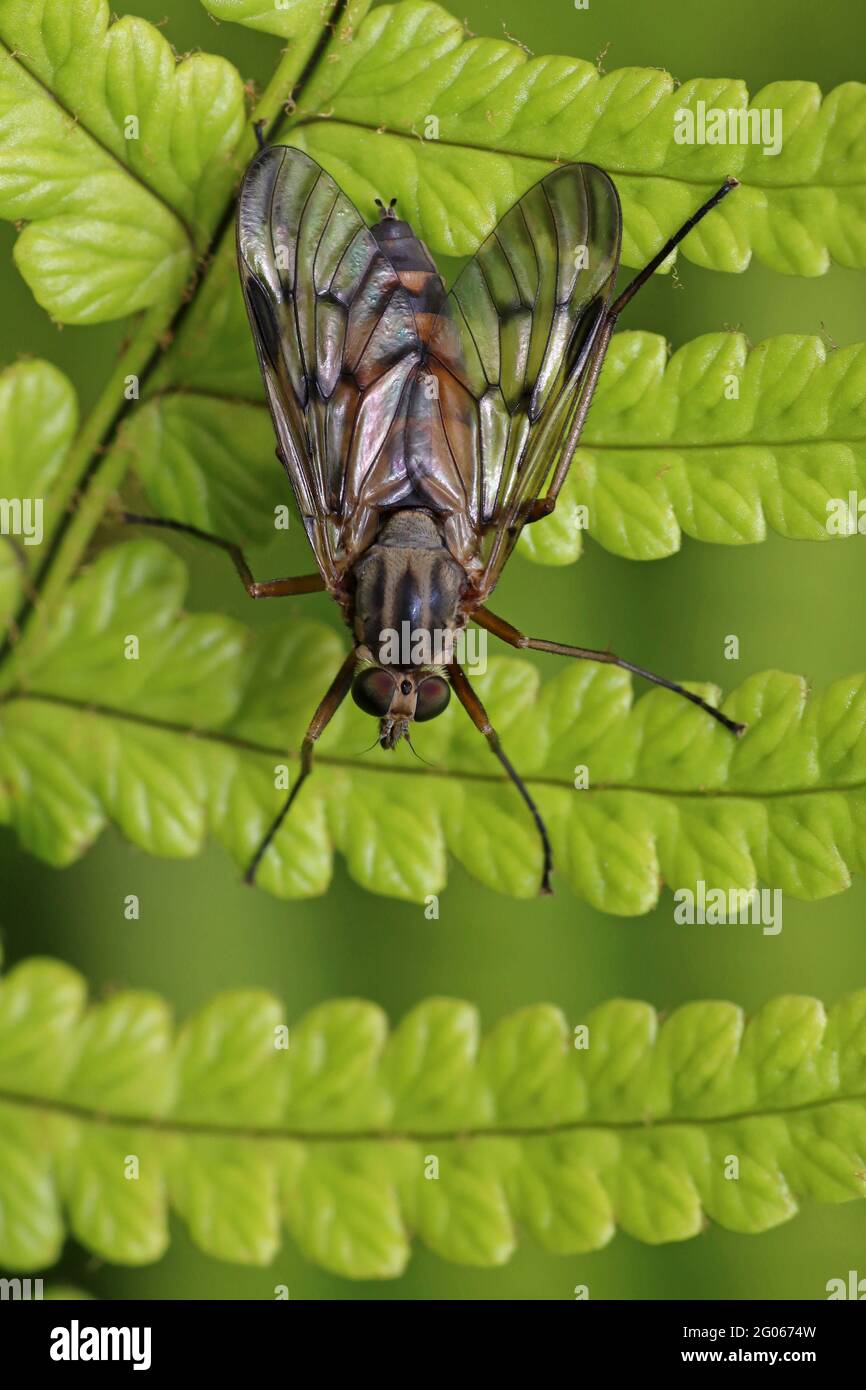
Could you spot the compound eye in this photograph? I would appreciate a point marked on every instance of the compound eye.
(433, 695)
(373, 691)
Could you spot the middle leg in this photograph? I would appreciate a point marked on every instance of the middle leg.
(510, 634)
(256, 588)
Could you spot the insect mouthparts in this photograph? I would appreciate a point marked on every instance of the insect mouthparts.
(391, 731)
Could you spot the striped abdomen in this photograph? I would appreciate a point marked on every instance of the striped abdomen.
(416, 271)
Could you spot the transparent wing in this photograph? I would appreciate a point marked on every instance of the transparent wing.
(513, 348)
(337, 344)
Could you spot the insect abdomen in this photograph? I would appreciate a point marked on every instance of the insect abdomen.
(416, 270)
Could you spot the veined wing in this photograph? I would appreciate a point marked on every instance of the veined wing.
(513, 349)
(337, 344)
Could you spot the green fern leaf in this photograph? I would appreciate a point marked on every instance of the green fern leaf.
(502, 118)
(720, 442)
(106, 155)
(350, 1137)
(38, 420)
(93, 733)
(286, 18)
(90, 735)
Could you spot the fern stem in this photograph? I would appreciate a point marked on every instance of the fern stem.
(98, 462)
(203, 1129)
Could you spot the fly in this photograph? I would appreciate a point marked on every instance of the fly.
(422, 429)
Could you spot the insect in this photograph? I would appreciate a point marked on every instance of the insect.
(421, 429)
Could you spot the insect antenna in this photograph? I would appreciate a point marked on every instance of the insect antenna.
(386, 211)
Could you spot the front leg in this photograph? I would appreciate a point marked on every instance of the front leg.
(478, 714)
(500, 628)
(328, 706)
(264, 588)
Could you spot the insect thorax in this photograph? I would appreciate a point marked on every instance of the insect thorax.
(407, 593)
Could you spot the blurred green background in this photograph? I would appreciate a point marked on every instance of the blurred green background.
(798, 607)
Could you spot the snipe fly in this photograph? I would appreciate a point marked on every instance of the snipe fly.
(422, 429)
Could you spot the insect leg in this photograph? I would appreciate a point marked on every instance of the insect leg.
(333, 698)
(543, 506)
(631, 289)
(265, 588)
(500, 628)
(478, 714)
